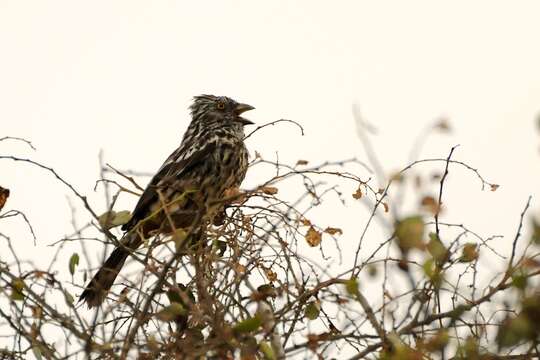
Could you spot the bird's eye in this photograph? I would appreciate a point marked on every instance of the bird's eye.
(220, 105)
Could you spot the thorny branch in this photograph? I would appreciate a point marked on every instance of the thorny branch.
(255, 285)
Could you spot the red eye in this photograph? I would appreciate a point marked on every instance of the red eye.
(221, 105)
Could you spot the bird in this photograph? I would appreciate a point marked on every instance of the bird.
(188, 189)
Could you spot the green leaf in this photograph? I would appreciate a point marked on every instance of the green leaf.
(69, 298)
(312, 310)
(436, 248)
(105, 219)
(121, 218)
(433, 272)
(352, 286)
(410, 233)
(248, 325)
(179, 237)
(372, 270)
(17, 286)
(171, 312)
(267, 351)
(73, 262)
(110, 219)
(519, 279)
(439, 341)
(514, 330)
(37, 352)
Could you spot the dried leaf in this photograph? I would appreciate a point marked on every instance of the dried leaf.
(397, 177)
(241, 269)
(4, 194)
(301, 162)
(313, 237)
(431, 205)
(358, 194)
(493, 187)
(386, 207)
(469, 252)
(531, 262)
(272, 276)
(235, 194)
(333, 231)
(37, 312)
(443, 125)
(268, 190)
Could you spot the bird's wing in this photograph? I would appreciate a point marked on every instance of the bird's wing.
(170, 170)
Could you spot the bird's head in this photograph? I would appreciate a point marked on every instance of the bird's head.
(220, 109)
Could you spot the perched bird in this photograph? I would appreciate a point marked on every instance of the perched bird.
(189, 186)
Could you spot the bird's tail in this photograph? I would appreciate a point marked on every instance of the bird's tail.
(97, 289)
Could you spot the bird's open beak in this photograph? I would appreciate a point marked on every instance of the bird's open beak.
(242, 108)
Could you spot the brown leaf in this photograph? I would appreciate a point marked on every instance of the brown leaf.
(234, 195)
(268, 190)
(469, 252)
(4, 194)
(313, 237)
(530, 262)
(443, 125)
(272, 276)
(333, 231)
(386, 207)
(493, 187)
(241, 269)
(430, 204)
(397, 177)
(301, 162)
(358, 194)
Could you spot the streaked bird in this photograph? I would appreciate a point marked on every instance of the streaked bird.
(188, 188)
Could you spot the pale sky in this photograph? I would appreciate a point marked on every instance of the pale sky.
(77, 77)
